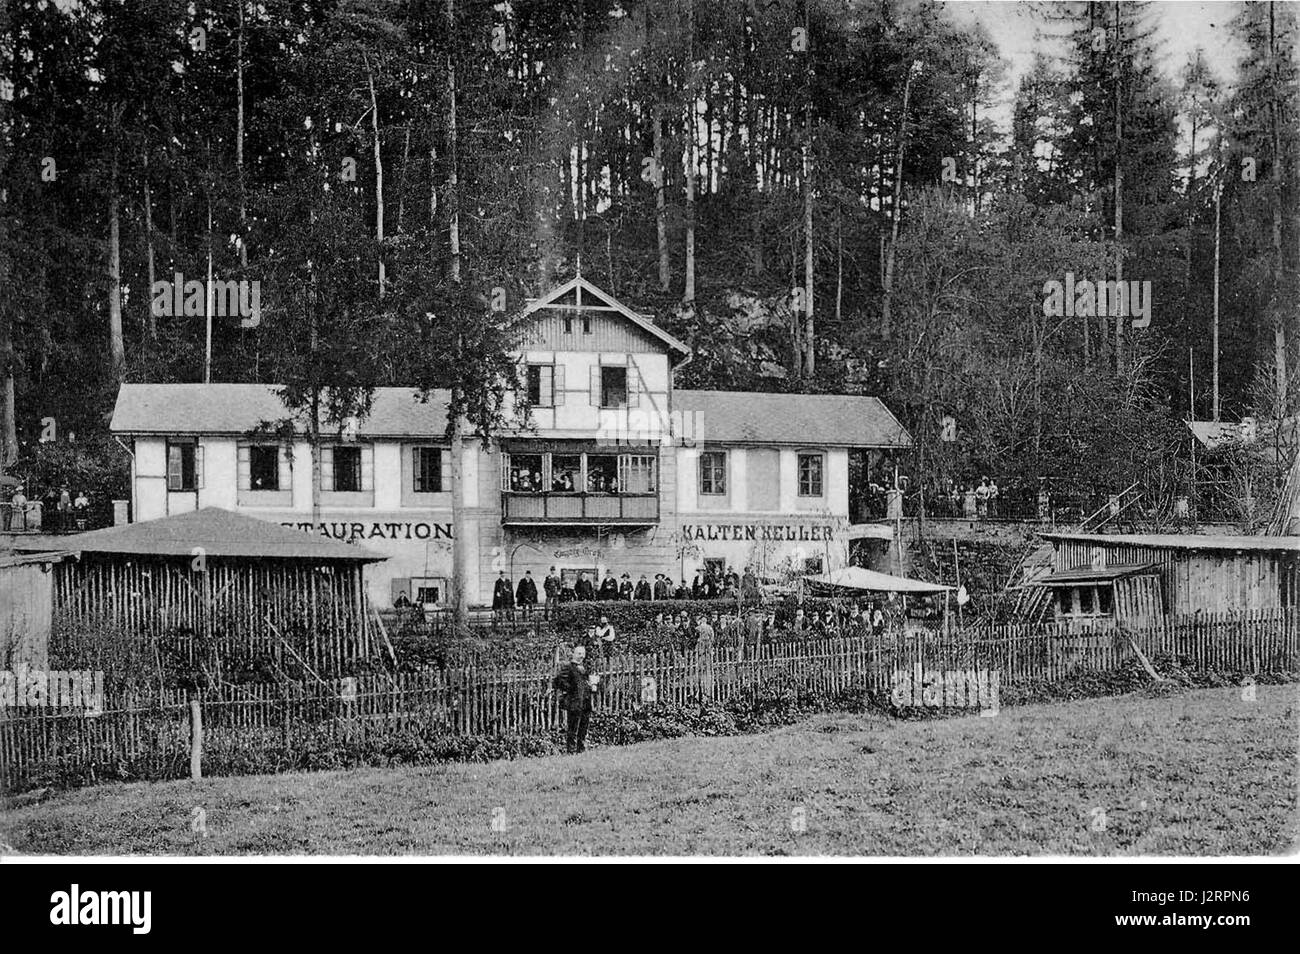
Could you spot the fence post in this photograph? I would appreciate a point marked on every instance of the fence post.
(196, 739)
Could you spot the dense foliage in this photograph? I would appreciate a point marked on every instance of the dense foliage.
(816, 195)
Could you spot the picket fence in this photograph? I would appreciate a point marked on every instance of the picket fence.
(149, 731)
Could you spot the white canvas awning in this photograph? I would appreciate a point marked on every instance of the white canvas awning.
(857, 578)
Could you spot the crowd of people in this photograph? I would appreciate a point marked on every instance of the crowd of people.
(557, 588)
(969, 500)
(60, 511)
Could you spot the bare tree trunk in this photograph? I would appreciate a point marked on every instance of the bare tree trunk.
(809, 328)
(1280, 383)
(239, 143)
(1218, 203)
(688, 294)
(8, 406)
(886, 308)
(661, 212)
(1120, 320)
(401, 182)
(453, 180)
(379, 171)
(433, 186)
(314, 427)
(151, 322)
(810, 340)
(839, 266)
(117, 351)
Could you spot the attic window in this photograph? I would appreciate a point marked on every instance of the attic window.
(568, 324)
(586, 324)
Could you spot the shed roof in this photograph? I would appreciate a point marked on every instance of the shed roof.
(860, 578)
(753, 417)
(1183, 541)
(1102, 575)
(238, 408)
(219, 533)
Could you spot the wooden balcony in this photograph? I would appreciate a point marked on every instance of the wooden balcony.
(558, 509)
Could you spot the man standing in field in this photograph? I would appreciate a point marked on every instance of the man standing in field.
(575, 689)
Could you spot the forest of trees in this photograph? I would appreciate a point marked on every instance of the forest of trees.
(817, 195)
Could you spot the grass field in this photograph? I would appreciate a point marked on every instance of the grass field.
(1196, 773)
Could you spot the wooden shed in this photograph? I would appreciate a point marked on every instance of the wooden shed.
(233, 585)
(1140, 577)
(26, 607)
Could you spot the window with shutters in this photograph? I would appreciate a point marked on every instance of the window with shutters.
(810, 475)
(613, 386)
(426, 464)
(713, 473)
(346, 469)
(184, 466)
(264, 467)
(541, 385)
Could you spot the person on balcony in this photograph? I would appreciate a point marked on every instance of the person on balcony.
(749, 586)
(64, 508)
(584, 590)
(697, 586)
(663, 588)
(643, 591)
(608, 587)
(625, 588)
(18, 510)
(683, 592)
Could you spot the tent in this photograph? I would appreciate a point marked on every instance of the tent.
(858, 578)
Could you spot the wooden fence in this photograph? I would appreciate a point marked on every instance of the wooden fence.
(148, 732)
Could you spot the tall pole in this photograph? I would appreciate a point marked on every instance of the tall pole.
(1218, 201)
(207, 305)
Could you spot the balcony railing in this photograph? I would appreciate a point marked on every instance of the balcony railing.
(579, 508)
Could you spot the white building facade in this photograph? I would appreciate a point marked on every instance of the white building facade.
(615, 469)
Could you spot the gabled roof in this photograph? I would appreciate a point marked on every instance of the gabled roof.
(604, 303)
(826, 420)
(235, 409)
(1182, 541)
(219, 533)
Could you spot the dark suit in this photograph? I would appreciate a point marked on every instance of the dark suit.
(662, 589)
(608, 589)
(584, 590)
(552, 587)
(526, 595)
(643, 591)
(575, 700)
(502, 596)
(625, 590)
